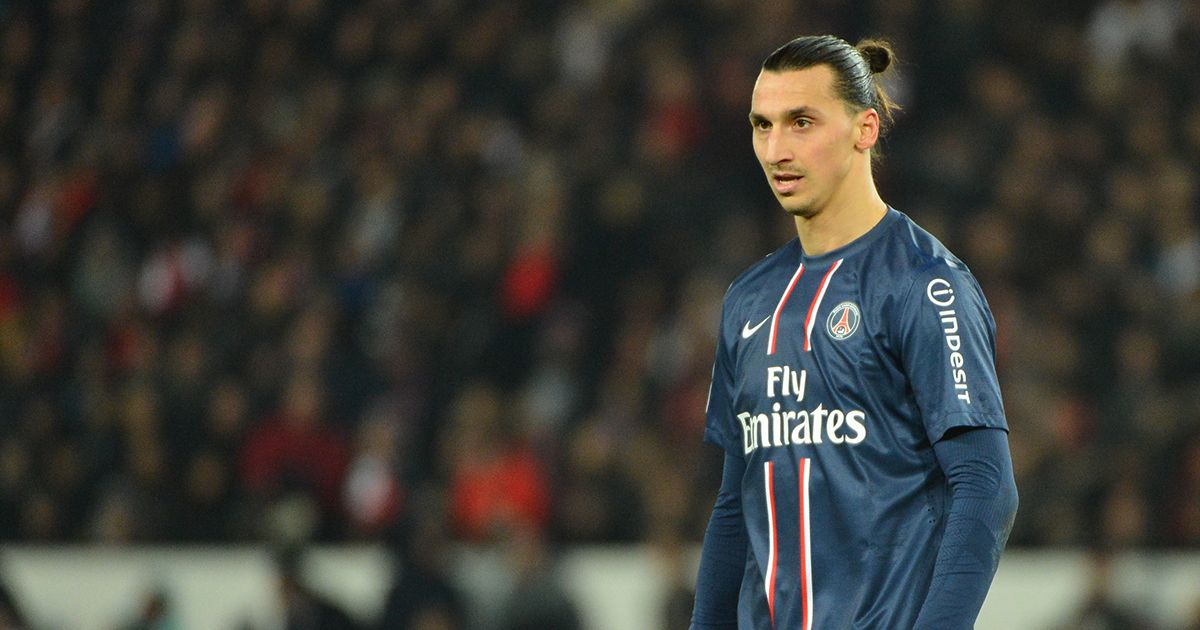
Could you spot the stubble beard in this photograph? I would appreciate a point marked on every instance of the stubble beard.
(800, 211)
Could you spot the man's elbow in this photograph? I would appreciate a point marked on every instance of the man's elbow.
(1006, 503)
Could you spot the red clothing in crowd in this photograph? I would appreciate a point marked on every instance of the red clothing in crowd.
(508, 490)
(280, 451)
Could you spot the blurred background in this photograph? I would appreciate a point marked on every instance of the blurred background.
(429, 290)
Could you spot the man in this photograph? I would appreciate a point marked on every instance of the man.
(867, 479)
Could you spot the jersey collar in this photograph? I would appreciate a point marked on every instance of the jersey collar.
(853, 247)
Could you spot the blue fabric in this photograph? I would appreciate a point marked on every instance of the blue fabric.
(723, 556)
(983, 504)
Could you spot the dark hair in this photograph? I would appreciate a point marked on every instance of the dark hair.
(855, 69)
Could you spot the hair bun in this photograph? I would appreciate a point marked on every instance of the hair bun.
(878, 54)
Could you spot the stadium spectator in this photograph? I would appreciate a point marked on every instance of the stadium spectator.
(303, 607)
(423, 594)
(539, 599)
(11, 616)
(1100, 610)
(295, 458)
(496, 482)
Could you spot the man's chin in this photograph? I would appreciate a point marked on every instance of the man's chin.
(796, 208)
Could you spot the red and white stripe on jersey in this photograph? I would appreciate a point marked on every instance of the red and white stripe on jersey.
(810, 318)
(805, 548)
(806, 591)
(779, 308)
(773, 556)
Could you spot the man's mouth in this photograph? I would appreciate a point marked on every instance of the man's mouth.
(786, 182)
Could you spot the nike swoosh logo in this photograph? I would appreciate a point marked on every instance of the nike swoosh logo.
(748, 330)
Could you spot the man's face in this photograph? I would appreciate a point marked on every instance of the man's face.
(804, 137)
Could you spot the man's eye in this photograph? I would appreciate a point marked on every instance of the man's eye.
(802, 123)
(762, 125)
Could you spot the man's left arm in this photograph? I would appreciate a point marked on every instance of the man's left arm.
(947, 344)
(983, 503)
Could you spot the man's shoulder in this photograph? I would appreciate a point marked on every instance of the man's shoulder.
(912, 252)
(750, 280)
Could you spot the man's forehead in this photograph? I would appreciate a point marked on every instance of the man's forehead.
(776, 92)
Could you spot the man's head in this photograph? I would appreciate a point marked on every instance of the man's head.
(816, 112)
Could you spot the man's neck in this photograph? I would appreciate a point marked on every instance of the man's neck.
(840, 223)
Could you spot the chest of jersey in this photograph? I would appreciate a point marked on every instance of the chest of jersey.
(810, 365)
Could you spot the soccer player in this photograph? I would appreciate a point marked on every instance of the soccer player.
(867, 479)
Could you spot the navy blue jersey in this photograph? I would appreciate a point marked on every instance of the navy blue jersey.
(834, 376)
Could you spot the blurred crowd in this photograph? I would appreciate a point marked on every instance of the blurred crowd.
(270, 269)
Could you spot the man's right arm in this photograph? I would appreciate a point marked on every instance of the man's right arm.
(723, 556)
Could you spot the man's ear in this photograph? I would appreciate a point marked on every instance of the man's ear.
(866, 125)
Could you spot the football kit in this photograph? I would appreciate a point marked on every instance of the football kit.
(834, 377)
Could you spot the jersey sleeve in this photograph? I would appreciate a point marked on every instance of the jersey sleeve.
(948, 349)
(719, 418)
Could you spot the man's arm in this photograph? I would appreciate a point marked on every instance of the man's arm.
(723, 556)
(983, 502)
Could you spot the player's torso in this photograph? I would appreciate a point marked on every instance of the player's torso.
(837, 459)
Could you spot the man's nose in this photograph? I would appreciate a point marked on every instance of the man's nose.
(778, 150)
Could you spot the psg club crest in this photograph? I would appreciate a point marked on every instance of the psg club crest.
(843, 320)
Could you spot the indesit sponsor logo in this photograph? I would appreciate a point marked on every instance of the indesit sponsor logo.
(941, 294)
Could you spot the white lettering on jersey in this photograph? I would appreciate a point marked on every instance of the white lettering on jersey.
(941, 294)
(785, 427)
(792, 382)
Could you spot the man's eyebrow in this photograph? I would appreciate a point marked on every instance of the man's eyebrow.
(795, 112)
